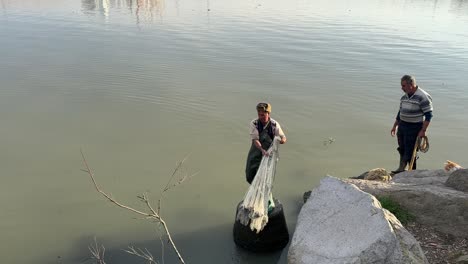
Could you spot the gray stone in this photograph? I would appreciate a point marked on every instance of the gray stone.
(462, 260)
(306, 196)
(458, 180)
(424, 194)
(340, 224)
(412, 251)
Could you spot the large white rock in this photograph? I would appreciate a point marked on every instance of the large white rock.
(341, 224)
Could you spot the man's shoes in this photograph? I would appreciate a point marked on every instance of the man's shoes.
(401, 167)
(393, 173)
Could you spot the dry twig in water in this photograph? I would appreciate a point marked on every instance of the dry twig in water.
(170, 184)
(142, 254)
(97, 252)
(151, 214)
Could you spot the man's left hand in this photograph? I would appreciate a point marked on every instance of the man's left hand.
(422, 133)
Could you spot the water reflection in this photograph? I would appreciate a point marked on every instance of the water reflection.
(217, 237)
(101, 6)
(142, 91)
(144, 10)
(459, 7)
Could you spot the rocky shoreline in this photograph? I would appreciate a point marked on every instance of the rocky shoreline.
(341, 224)
(439, 248)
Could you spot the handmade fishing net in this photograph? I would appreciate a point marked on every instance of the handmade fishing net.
(254, 207)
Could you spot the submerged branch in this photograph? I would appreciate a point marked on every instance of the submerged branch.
(140, 253)
(152, 214)
(97, 252)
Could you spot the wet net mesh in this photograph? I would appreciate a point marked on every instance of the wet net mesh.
(254, 208)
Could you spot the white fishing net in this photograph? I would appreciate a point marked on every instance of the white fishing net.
(254, 207)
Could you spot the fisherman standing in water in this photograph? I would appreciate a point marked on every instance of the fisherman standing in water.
(262, 132)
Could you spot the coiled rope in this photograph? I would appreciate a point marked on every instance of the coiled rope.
(422, 144)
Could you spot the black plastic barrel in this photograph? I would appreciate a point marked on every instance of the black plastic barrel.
(274, 236)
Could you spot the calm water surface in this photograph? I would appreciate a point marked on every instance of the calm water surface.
(139, 85)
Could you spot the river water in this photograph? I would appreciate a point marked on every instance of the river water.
(140, 85)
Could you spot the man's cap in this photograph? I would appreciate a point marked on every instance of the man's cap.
(264, 107)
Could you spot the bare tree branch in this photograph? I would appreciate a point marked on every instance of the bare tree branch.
(162, 249)
(180, 181)
(183, 178)
(97, 252)
(88, 170)
(142, 254)
(177, 168)
(152, 214)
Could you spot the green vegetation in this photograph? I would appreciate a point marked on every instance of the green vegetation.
(402, 214)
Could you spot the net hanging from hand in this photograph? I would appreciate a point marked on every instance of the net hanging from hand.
(254, 207)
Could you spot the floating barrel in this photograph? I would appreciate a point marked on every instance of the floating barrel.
(273, 237)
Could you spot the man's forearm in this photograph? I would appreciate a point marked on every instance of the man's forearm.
(425, 125)
(257, 144)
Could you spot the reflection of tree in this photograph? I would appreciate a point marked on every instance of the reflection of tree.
(88, 5)
(459, 7)
(144, 9)
(102, 6)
